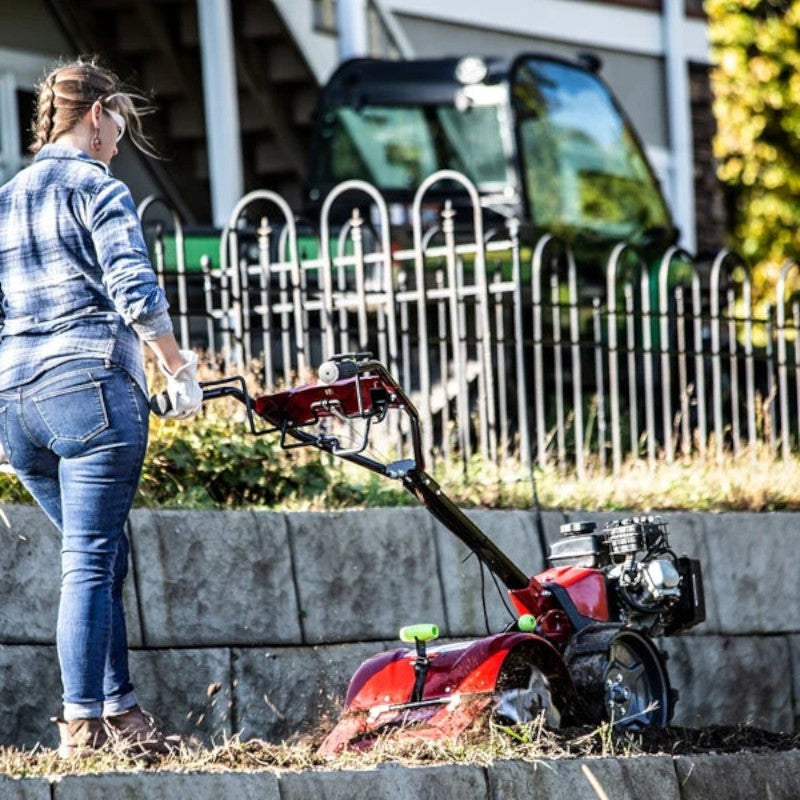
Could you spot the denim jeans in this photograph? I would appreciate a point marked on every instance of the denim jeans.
(76, 437)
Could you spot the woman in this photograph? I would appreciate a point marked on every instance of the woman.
(78, 293)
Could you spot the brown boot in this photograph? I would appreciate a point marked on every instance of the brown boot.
(80, 737)
(136, 732)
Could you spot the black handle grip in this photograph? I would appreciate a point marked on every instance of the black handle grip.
(332, 371)
(160, 403)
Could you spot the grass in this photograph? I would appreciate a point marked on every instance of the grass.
(753, 481)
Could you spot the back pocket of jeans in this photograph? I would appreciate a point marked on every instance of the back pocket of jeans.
(73, 413)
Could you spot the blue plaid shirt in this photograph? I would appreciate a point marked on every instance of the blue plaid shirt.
(75, 277)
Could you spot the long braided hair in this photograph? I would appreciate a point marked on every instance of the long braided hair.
(69, 90)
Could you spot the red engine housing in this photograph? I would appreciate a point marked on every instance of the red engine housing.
(584, 589)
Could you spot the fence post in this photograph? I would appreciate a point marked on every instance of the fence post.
(668, 259)
(519, 346)
(597, 329)
(614, 261)
(538, 364)
(483, 297)
(575, 345)
(389, 303)
(783, 382)
(729, 260)
(230, 255)
(264, 281)
(457, 334)
(180, 261)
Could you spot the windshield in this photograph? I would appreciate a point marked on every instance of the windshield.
(583, 168)
(396, 147)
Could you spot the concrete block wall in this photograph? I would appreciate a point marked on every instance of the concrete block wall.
(737, 776)
(252, 622)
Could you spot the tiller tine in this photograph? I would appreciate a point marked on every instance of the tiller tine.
(359, 730)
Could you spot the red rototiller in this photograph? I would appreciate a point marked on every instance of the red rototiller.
(582, 649)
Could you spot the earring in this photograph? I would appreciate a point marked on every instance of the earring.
(96, 142)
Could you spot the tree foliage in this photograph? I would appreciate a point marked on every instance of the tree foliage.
(756, 82)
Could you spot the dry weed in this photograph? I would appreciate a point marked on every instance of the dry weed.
(488, 742)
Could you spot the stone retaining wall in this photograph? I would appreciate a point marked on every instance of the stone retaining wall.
(252, 622)
(698, 777)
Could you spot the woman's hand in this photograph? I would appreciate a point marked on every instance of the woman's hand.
(183, 389)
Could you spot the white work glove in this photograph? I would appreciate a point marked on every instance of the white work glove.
(184, 393)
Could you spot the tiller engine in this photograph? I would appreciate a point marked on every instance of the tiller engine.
(582, 648)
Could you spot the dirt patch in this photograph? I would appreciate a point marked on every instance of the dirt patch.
(715, 738)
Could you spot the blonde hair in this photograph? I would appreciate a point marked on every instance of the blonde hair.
(68, 92)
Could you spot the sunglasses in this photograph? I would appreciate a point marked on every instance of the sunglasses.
(119, 121)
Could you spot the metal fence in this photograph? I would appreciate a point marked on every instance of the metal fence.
(505, 348)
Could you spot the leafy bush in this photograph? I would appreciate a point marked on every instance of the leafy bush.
(214, 462)
(756, 81)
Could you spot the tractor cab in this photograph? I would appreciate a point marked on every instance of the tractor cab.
(542, 138)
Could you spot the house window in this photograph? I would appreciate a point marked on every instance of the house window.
(325, 16)
(19, 74)
(16, 110)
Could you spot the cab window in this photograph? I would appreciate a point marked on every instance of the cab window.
(582, 166)
(398, 147)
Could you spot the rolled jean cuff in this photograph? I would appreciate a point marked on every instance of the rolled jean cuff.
(119, 705)
(82, 710)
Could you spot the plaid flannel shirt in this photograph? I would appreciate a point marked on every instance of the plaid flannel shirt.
(75, 277)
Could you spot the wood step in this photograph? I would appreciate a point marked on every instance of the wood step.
(252, 116)
(111, 5)
(256, 19)
(200, 158)
(186, 119)
(131, 37)
(286, 65)
(269, 157)
(168, 80)
(292, 192)
(303, 104)
(188, 31)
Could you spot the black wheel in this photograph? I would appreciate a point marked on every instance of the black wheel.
(637, 691)
(620, 677)
(524, 693)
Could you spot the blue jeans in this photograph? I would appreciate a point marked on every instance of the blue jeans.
(76, 437)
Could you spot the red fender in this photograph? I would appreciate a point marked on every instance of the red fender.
(460, 686)
(461, 667)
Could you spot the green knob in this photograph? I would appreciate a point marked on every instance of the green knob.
(423, 632)
(527, 623)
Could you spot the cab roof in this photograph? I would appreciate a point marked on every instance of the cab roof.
(373, 81)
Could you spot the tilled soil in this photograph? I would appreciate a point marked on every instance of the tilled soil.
(714, 738)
